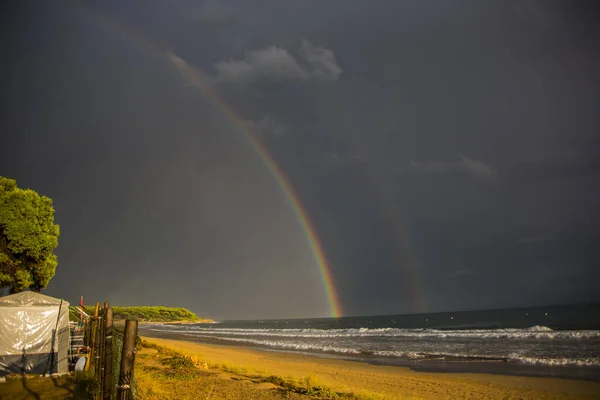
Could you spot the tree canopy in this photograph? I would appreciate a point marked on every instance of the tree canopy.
(28, 235)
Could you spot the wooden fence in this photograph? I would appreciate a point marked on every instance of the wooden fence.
(111, 353)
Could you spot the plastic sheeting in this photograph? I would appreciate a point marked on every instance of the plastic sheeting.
(34, 334)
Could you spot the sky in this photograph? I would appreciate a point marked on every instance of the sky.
(446, 153)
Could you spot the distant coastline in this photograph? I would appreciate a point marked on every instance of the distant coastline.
(191, 322)
(154, 314)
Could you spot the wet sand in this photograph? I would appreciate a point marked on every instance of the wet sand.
(391, 382)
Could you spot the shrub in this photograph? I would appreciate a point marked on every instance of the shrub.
(178, 362)
(88, 383)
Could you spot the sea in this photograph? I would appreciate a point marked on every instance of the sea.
(558, 341)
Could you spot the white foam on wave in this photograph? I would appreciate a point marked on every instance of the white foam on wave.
(414, 355)
(563, 362)
(550, 361)
(291, 345)
(534, 332)
(539, 328)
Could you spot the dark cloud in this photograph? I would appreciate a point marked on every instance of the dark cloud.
(276, 64)
(453, 160)
(266, 127)
(552, 170)
(477, 169)
(212, 11)
(333, 159)
(532, 239)
(459, 273)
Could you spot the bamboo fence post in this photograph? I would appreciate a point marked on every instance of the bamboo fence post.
(100, 346)
(108, 353)
(87, 342)
(127, 361)
(92, 355)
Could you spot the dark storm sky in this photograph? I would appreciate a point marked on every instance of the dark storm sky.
(446, 152)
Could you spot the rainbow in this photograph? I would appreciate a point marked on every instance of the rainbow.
(195, 79)
(402, 248)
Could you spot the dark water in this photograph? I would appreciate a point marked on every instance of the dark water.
(554, 341)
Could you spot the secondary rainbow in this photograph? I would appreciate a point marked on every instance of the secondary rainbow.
(195, 78)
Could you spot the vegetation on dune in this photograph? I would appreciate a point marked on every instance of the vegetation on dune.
(165, 373)
(152, 314)
(72, 387)
(87, 383)
(28, 237)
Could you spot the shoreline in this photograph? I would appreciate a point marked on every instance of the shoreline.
(474, 366)
(384, 380)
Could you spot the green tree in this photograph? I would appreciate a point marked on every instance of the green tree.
(28, 235)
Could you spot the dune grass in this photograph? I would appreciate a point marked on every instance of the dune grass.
(163, 373)
(25, 387)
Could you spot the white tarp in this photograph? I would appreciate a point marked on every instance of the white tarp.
(34, 334)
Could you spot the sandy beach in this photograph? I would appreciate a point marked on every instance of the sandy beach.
(386, 382)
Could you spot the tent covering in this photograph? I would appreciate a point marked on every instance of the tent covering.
(34, 334)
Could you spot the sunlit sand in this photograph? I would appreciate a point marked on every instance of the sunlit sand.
(389, 382)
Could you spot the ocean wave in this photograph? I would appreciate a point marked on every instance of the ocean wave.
(441, 356)
(549, 361)
(539, 328)
(292, 345)
(415, 355)
(534, 332)
(564, 362)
